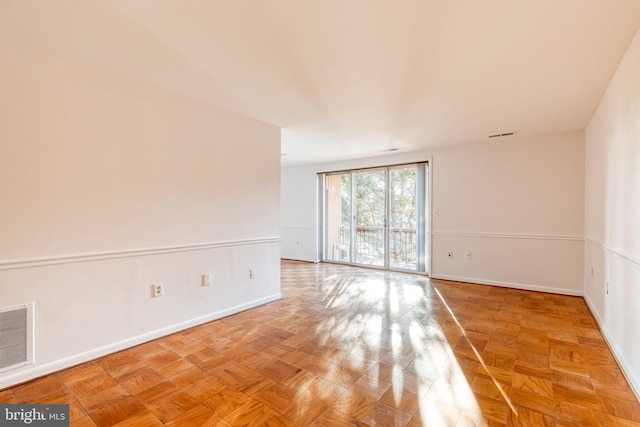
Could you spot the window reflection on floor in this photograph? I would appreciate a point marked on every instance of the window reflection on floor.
(414, 351)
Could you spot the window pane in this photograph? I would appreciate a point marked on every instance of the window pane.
(370, 217)
(338, 217)
(402, 218)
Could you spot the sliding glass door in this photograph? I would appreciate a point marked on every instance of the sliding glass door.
(370, 217)
(377, 217)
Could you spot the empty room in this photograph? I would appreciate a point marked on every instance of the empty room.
(320, 213)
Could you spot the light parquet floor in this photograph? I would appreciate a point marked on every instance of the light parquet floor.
(349, 346)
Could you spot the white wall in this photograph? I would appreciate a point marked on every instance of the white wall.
(516, 204)
(108, 185)
(612, 213)
(299, 213)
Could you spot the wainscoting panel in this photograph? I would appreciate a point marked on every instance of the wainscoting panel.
(90, 305)
(547, 263)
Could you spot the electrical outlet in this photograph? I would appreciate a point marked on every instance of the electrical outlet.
(252, 274)
(157, 290)
(607, 288)
(450, 254)
(467, 255)
(206, 279)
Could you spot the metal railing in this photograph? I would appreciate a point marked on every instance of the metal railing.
(369, 246)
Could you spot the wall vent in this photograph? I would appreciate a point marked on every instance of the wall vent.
(498, 135)
(16, 336)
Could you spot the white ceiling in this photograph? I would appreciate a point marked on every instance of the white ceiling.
(353, 78)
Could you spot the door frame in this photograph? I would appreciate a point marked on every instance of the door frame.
(424, 185)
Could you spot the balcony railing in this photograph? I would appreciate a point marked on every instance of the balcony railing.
(369, 246)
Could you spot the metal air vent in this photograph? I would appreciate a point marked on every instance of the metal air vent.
(16, 336)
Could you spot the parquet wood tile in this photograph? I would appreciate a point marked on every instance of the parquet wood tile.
(254, 384)
(486, 386)
(525, 417)
(277, 420)
(278, 370)
(143, 351)
(305, 409)
(118, 411)
(383, 415)
(504, 376)
(197, 416)
(533, 401)
(172, 406)
(226, 401)
(234, 374)
(496, 410)
(204, 389)
(616, 391)
(277, 397)
(356, 406)
(157, 392)
(91, 385)
(38, 389)
(587, 399)
(622, 408)
(404, 400)
(76, 410)
(119, 364)
(160, 360)
(467, 419)
(105, 397)
(186, 376)
(250, 415)
(571, 414)
(334, 418)
(613, 421)
(85, 421)
(141, 380)
(144, 419)
(350, 346)
(533, 384)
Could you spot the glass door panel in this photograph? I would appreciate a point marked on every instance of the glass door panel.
(338, 217)
(403, 224)
(370, 217)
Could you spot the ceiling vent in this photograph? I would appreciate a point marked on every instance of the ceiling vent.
(500, 135)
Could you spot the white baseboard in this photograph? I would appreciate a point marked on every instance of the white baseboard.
(34, 371)
(633, 383)
(299, 259)
(524, 286)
